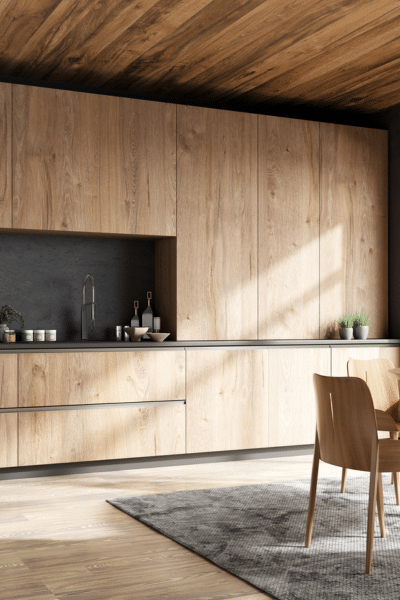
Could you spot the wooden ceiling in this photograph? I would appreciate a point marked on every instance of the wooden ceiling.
(341, 54)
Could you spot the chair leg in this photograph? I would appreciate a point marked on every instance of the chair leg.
(344, 475)
(371, 512)
(381, 512)
(394, 435)
(313, 492)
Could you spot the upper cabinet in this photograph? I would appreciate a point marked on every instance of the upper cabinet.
(89, 163)
(5, 155)
(55, 160)
(138, 167)
(288, 183)
(217, 225)
(354, 226)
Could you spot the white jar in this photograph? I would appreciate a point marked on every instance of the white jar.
(38, 335)
(27, 335)
(51, 335)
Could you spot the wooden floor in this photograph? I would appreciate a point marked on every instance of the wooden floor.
(60, 540)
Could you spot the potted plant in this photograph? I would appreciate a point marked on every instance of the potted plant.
(346, 326)
(8, 315)
(360, 326)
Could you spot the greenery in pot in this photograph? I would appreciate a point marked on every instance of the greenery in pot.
(10, 315)
(346, 321)
(361, 319)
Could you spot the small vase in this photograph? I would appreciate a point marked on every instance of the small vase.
(361, 332)
(346, 333)
(3, 327)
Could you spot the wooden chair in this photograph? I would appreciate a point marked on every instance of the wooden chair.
(347, 436)
(385, 395)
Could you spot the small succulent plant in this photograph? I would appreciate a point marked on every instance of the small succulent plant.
(361, 319)
(346, 321)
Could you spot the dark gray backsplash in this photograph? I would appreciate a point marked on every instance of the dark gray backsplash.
(42, 276)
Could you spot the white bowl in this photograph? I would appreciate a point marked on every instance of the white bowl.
(158, 337)
(135, 333)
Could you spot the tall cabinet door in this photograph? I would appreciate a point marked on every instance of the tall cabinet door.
(288, 172)
(354, 226)
(56, 160)
(5, 155)
(217, 225)
(138, 167)
(8, 420)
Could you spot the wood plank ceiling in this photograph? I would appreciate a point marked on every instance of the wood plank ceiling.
(342, 54)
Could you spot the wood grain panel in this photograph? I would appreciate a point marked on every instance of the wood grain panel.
(339, 54)
(9, 440)
(354, 227)
(341, 356)
(227, 400)
(138, 167)
(56, 160)
(288, 176)
(217, 225)
(51, 379)
(5, 155)
(60, 436)
(8, 380)
(165, 276)
(291, 400)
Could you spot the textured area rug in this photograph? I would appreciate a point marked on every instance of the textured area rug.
(257, 532)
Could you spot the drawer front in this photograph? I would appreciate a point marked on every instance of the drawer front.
(77, 435)
(8, 380)
(9, 440)
(62, 379)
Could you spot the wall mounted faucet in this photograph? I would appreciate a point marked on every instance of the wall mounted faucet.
(88, 322)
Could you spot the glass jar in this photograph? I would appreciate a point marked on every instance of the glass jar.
(51, 335)
(9, 336)
(38, 335)
(27, 335)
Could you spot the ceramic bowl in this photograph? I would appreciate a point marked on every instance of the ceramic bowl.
(135, 333)
(158, 337)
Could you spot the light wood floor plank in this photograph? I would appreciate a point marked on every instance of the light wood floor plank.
(60, 540)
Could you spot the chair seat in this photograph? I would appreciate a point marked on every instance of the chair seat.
(385, 422)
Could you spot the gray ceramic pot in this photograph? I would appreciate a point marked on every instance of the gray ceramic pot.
(361, 332)
(346, 333)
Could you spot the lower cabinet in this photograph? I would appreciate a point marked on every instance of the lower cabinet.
(9, 440)
(8, 400)
(341, 356)
(291, 398)
(75, 435)
(227, 399)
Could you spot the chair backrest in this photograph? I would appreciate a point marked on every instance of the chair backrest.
(346, 424)
(382, 384)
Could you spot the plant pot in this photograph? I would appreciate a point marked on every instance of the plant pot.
(3, 327)
(346, 333)
(361, 332)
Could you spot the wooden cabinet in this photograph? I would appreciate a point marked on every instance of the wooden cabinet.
(288, 176)
(59, 436)
(90, 163)
(138, 167)
(354, 226)
(341, 356)
(217, 225)
(5, 155)
(8, 421)
(56, 379)
(291, 399)
(227, 399)
(55, 160)
(8, 380)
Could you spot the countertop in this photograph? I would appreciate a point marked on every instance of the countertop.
(98, 346)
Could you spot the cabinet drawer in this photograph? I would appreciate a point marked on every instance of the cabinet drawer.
(8, 380)
(61, 379)
(76, 435)
(9, 440)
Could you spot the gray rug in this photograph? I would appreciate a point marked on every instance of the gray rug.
(257, 532)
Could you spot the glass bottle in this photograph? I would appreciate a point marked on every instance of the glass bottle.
(135, 319)
(147, 316)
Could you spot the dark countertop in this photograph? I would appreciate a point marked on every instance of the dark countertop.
(167, 345)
